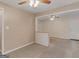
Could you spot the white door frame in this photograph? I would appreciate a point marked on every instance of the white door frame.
(2, 40)
(43, 37)
(35, 28)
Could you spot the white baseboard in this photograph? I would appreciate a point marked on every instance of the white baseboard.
(4, 53)
(59, 38)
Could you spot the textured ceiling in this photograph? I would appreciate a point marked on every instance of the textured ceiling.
(41, 7)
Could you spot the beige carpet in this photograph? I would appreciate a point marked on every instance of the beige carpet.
(58, 48)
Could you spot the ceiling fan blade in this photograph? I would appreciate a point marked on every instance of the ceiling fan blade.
(46, 1)
(21, 3)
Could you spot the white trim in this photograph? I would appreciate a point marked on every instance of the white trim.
(3, 33)
(73, 10)
(17, 48)
(2, 48)
(60, 38)
(36, 29)
(36, 24)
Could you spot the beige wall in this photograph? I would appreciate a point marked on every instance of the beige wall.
(0, 28)
(61, 9)
(40, 25)
(74, 26)
(19, 27)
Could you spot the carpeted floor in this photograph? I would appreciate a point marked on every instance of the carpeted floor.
(58, 48)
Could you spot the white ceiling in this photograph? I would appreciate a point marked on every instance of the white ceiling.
(41, 7)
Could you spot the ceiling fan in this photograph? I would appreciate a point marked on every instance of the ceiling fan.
(34, 3)
(52, 17)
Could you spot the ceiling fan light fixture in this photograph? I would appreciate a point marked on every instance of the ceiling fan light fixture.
(34, 3)
(31, 3)
(52, 17)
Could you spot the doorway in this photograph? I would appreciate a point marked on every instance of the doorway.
(64, 26)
